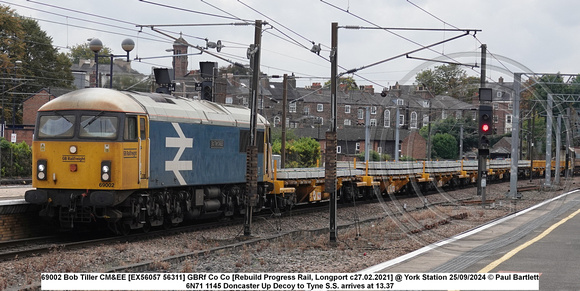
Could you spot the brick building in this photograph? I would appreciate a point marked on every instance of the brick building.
(309, 110)
(24, 132)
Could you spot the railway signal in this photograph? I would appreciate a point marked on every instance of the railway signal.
(206, 91)
(485, 113)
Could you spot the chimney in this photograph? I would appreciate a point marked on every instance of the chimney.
(317, 87)
(369, 89)
(396, 90)
(501, 80)
(291, 82)
(423, 92)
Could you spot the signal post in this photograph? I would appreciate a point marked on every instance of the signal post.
(485, 124)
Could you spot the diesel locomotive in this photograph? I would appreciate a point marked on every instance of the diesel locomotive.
(137, 160)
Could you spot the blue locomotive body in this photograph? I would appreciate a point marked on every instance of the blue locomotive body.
(196, 154)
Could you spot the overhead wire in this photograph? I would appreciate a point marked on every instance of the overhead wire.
(72, 17)
(289, 40)
(292, 40)
(189, 10)
(158, 38)
(296, 42)
(474, 36)
(405, 38)
(378, 26)
(285, 27)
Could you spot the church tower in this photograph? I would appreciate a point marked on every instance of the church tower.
(180, 58)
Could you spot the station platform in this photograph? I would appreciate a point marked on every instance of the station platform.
(12, 199)
(13, 192)
(543, 239)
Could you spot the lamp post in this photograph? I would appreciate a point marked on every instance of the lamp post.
(96, 45)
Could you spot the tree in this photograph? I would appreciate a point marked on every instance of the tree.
(303, 153)
(348, 82)
(235, 70)
(374, 156)
(132, 82)
(445, 146)
(28, 60)
(448, 80)
(42, 62)
(16, 159)
(452, 126)
(83, 52)
(12, 46)
(300, 152)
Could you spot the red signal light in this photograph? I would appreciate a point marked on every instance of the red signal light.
(485, 127)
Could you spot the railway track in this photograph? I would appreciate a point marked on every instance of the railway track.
(41, 245)
(237, 243)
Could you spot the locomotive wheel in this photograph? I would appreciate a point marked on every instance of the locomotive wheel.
(167, 224)
(146, 227)
(123, 228)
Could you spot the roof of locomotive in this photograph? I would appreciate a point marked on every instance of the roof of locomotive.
(159, 107)
(94, 99)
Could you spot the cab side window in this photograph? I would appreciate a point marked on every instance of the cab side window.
(143, 130)
(130, 128)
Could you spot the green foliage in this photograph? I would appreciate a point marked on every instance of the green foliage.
(132, 82)
(235, 70)
(42, 62)
(300, 153)
(445, 146)
(540, 88)
(28, 61)
(448, 80)
(453, 126)
(16, 159)
(82, 51)
(373, 156)
(348, 81)
(303, 153)
(11, 44)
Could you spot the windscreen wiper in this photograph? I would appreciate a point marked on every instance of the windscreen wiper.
(94, 119)
(61, 115)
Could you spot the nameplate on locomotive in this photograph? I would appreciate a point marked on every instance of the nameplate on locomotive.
(130, 153)
(73, 158)
(216, 143)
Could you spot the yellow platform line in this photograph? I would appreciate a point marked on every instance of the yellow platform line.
(510, 254)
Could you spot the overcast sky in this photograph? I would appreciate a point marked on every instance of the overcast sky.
(538, 36)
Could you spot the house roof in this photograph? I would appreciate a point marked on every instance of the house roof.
(354, 133)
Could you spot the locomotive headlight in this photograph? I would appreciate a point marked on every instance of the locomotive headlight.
(106, 171)
(73, 149)
(41, 170)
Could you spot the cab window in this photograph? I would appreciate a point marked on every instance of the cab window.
(97, 126)
(56, 126)
(143, 130)
(130, 128)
